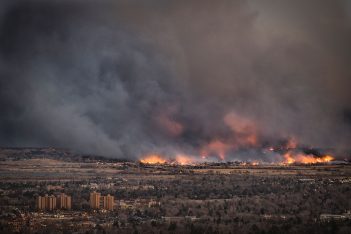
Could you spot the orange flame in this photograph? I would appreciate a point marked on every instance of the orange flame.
(153, 159)
(305, 159)
(181, 159)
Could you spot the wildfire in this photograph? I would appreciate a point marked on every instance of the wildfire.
(292, 156)
(305, 159)
(180, 159)
(289, 157)
(153, 159)
(245, 135)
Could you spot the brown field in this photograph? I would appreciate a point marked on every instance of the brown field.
(49, 169)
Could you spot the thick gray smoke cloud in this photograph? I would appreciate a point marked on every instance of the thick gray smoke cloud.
(124, 78)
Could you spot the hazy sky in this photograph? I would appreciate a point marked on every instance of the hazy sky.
(126, 77)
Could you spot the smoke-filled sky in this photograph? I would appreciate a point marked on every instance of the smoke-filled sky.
(124, 78)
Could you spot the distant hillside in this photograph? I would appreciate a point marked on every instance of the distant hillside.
(19, 153)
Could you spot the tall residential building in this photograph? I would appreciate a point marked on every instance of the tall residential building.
(46, 202)
(64, 202)
(95, 200)
(108, 202)
(104, 202)
(41, 203)
(51, 202)
(68, 203)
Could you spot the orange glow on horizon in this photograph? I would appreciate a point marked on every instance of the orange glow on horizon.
(153, 159)
(291, 158)
(181, 159)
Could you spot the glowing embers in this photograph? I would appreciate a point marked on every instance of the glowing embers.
(153, 159)
(301, 158)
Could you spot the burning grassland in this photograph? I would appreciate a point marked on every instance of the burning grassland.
(243, 142)
(179, 159)
(153, 159)
(240, 138)
(290, 158)
(280, 158)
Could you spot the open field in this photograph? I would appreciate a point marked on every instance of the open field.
(49, 169)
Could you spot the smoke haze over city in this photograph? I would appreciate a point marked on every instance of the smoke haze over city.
(128, 78)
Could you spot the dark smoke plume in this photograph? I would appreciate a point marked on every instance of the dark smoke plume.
(124, 78)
